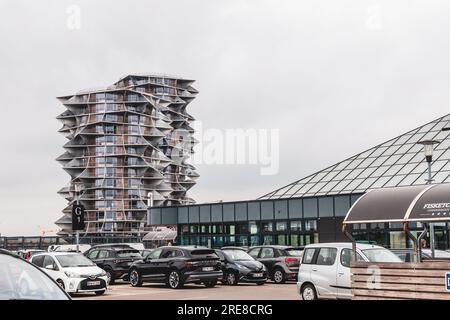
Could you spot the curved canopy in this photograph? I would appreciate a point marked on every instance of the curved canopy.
(160, 234)
(426, 203)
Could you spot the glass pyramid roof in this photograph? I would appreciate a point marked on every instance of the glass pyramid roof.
(397, 162)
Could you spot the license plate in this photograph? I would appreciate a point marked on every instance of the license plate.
(93, 283)
(257, 275)
(207, 268)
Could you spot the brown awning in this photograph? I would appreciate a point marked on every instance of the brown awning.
(415, 203)
(433, 205)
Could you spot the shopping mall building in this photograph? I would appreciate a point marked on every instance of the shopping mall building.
(312, 209)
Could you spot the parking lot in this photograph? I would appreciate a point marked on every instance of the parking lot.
(269, 291)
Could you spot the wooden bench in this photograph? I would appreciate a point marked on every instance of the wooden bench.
(425, 280)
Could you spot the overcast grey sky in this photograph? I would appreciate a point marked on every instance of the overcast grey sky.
(335, 77)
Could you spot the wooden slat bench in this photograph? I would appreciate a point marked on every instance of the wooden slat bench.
(425, 280)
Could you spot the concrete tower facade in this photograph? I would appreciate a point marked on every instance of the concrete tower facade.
(129, 144)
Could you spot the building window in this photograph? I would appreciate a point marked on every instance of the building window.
(184, 229)
(98, 129)
(100, 97)
(341, 205)
(296, 226)
(111, 118)
(110, 129)
(133, 119)
(111, 107)
(310, 208)
(281, 226)
(253, 227)
(310, 225)
(359, 226)
(267, 227)
(295, 208)
(100, 172)
(100, 108)
(241, 228)
(326, 207)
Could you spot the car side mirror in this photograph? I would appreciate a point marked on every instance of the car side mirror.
(50, 267)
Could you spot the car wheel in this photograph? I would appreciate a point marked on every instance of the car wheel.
(309, 292)
(110, 276)
(231, 279)
(279, 276)
(61, 283)
(100, 292)
(210, 284)
(135, 278)
(174, 280)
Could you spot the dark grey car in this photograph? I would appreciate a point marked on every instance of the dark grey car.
(115, 260)
(282, 262)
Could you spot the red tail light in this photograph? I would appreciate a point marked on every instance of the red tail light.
(27, 255)
(290, 260)
(188, 263)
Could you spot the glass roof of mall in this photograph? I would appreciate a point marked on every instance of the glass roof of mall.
(397, 162)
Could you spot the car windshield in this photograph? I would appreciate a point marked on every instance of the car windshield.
(128, 254)
(74, 260)
(237, 255)
(437, 253)
(380, 255)
(20, 280)
(34, 252)
(146, 253)
(294, 252)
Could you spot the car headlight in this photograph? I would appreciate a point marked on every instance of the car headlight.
(72, 274)
(103, 273)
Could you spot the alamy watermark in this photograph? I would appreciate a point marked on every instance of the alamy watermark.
(373, 281)
(73, 21)
(374, 19)
(257, 147)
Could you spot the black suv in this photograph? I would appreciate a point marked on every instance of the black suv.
(239, 266)
(115, 259)
(176, 266)
(282, 262)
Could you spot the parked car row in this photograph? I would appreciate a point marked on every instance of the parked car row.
(321, 270)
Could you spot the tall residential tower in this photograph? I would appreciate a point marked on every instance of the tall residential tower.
(129, 144)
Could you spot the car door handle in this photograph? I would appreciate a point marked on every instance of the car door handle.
(314, 269)
(340, 274)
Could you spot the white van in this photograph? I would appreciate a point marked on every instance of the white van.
(325, 268)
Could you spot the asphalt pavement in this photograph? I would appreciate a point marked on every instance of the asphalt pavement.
(268, 291)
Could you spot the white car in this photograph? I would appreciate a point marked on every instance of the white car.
(72, 271)
(325, 268)
(69, 248)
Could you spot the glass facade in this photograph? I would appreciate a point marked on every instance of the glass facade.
(256, 222)
(197, 226)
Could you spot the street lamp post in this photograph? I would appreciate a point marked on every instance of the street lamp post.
(428, 146)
